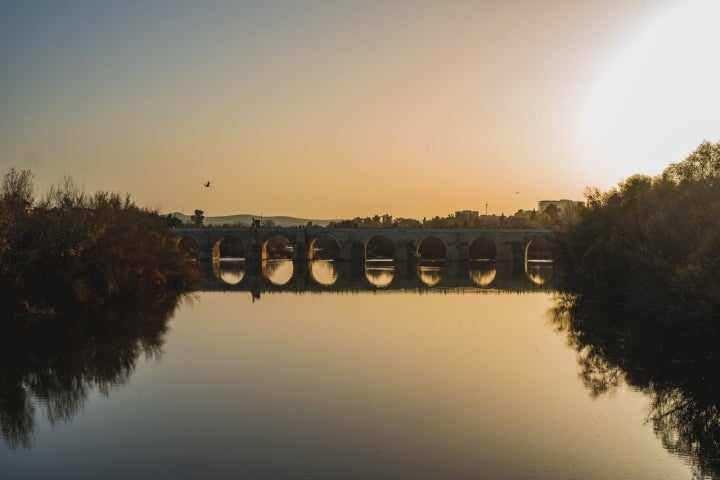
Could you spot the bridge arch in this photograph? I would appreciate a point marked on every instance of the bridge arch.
(482, 248)
(324, 247)
(277, 247)
(228, 247)
(539, 249)
(188, 246)
(379, 247)
(431, 248)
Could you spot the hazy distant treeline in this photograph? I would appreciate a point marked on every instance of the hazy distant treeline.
(650, 237)
(71, 249)
(550, 218)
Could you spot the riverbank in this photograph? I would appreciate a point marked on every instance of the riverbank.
(72, 251)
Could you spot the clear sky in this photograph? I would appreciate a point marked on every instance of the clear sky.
(336, 109)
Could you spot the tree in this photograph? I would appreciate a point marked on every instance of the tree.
(197, 218)
(18, 188)
(65, 194)
(702, 164)
(172, 221)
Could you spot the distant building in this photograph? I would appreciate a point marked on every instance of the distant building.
(467, 214)
(565, 207)
(526, 214)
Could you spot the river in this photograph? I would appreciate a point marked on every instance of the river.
(415, 383)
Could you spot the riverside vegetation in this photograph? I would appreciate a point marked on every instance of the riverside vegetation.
(73, 250)
(650, 240)
(638, 275)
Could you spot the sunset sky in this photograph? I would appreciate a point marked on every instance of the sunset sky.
(337, 109)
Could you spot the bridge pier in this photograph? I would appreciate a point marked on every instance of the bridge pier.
(346, 251)
(403, 251)
(205, 251)
(300, 248)
(457, 251)
(504, 252)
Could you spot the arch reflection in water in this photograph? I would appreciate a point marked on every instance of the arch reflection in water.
(482, 272)
(277, 272)
(539, 272)
(431, 273)
(229, 271)
(380, 273)
(323, 272)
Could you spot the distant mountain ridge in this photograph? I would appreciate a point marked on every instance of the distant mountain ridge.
(246, 219)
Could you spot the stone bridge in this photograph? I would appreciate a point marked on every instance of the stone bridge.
(352, 243)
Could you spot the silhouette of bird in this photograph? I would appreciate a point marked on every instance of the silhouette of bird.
(207, 185)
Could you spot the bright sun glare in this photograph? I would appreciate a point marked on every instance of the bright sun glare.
(658, 96)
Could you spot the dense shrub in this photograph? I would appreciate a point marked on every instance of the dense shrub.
(650, 238)
(71, 249)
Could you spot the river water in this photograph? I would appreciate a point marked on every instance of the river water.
(432, 382)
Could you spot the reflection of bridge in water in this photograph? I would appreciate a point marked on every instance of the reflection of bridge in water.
(329, 276)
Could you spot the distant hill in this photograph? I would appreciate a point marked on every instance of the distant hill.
(246, 219)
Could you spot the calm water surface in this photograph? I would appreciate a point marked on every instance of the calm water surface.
(386, 384)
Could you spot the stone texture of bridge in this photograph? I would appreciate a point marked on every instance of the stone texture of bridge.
(510, 244)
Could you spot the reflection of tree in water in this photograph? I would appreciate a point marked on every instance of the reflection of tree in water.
(53, 365)
(674, 359)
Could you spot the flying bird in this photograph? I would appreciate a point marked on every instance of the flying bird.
(207, 185)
